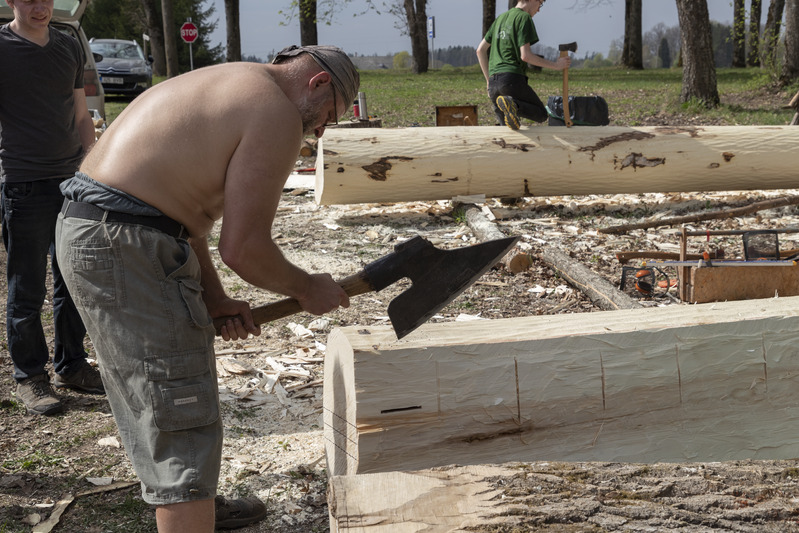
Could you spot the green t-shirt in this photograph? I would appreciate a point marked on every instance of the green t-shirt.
(509, 32)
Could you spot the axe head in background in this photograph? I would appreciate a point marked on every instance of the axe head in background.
(568, 47)
(438, 276)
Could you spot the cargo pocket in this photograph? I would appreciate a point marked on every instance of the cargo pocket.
(191, 292)
(93, 275)
(182, 391)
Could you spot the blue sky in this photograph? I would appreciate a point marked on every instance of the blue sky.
(458, 22)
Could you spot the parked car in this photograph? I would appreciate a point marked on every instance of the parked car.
(66, 18)
(123, 68)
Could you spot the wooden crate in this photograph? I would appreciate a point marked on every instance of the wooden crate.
(456, 115)
(727, 284)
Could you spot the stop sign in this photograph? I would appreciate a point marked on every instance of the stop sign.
(188, 32)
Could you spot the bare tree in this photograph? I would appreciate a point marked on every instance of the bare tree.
(233, 28)
(753, 57)
(632, 54)
(416, 13)
(170, 39)
(489, 14)
(790, 69)
(771, 33)
(699, 71)
(739, 34)
(155, 30)
(308, 32)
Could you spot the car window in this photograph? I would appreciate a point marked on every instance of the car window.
(118, 50)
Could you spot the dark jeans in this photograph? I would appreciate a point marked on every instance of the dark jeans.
(515, 85)
(29, 212)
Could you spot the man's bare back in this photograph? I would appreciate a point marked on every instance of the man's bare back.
(182, 146)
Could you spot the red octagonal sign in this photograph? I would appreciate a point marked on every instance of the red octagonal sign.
(188, 32)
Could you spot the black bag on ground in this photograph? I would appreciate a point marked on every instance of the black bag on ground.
(583, 110)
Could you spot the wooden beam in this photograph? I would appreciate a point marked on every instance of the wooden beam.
(706, 382)
(721, 283)
(411, 164)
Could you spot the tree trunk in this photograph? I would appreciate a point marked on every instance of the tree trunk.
(489, 14)
(632, 55)
(155, 30)
(416, 13)
(419, 164)
(753, 57)
(170, 39)
(738, 33)
(308, 32)
(790, 69)
(705, 382)
(233, 30)
(699, 71)
(771, 33)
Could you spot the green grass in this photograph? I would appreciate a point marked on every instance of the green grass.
(403, 99)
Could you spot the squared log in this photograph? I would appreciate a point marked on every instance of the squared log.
(708, 382)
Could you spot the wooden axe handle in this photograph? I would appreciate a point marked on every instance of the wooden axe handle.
(261, 314)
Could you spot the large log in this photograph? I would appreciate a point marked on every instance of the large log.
(411, 164)
(706, 382)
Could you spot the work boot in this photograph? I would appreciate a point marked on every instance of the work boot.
(231, 514)
(85, 379)
(510, 110)
(38, 397)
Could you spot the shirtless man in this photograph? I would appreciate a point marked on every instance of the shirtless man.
(216, 143)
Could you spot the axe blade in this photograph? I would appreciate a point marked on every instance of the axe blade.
(438, 277)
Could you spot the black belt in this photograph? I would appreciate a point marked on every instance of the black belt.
(163, 223)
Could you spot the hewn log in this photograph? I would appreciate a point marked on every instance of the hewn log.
(712, 215)
(705, 382)
(410, 164)
(598, 289)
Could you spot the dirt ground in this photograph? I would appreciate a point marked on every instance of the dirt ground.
(271, 390)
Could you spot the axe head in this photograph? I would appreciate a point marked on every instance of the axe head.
(438, 276)
(568, 47)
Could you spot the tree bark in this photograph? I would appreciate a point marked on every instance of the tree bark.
(632, 55)
(308, 29)
(233, 28)
(415, 164)
(155, 30)
(170, 39)
(699, 70)
(753, 57)
(416, 14)
(790, 69)
(771, 33)
(738, 33)
(489, 14)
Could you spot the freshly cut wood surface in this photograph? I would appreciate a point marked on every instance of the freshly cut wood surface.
(707, 382)
(410, 164)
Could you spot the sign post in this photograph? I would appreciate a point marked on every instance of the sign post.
(189, 34)
(431, 33)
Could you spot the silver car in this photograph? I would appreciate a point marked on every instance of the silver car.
(66, 18)
(123, 68)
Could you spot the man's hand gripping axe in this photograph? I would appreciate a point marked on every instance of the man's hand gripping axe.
(438, 277)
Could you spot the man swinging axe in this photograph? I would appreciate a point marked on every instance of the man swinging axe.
(503, 53)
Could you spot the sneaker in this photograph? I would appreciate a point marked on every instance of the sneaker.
(237, 513)
(38, 397)
(510, 110)
(84, 379)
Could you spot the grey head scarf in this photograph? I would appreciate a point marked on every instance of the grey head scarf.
(334, 61)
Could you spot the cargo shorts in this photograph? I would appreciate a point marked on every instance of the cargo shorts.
(138, 291)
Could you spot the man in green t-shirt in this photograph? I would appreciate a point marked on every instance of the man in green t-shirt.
(503, 53)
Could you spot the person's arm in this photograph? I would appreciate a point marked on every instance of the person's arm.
(217, 301)
(83, 120)
(529, 57)
(482, 57)
(257, 171)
